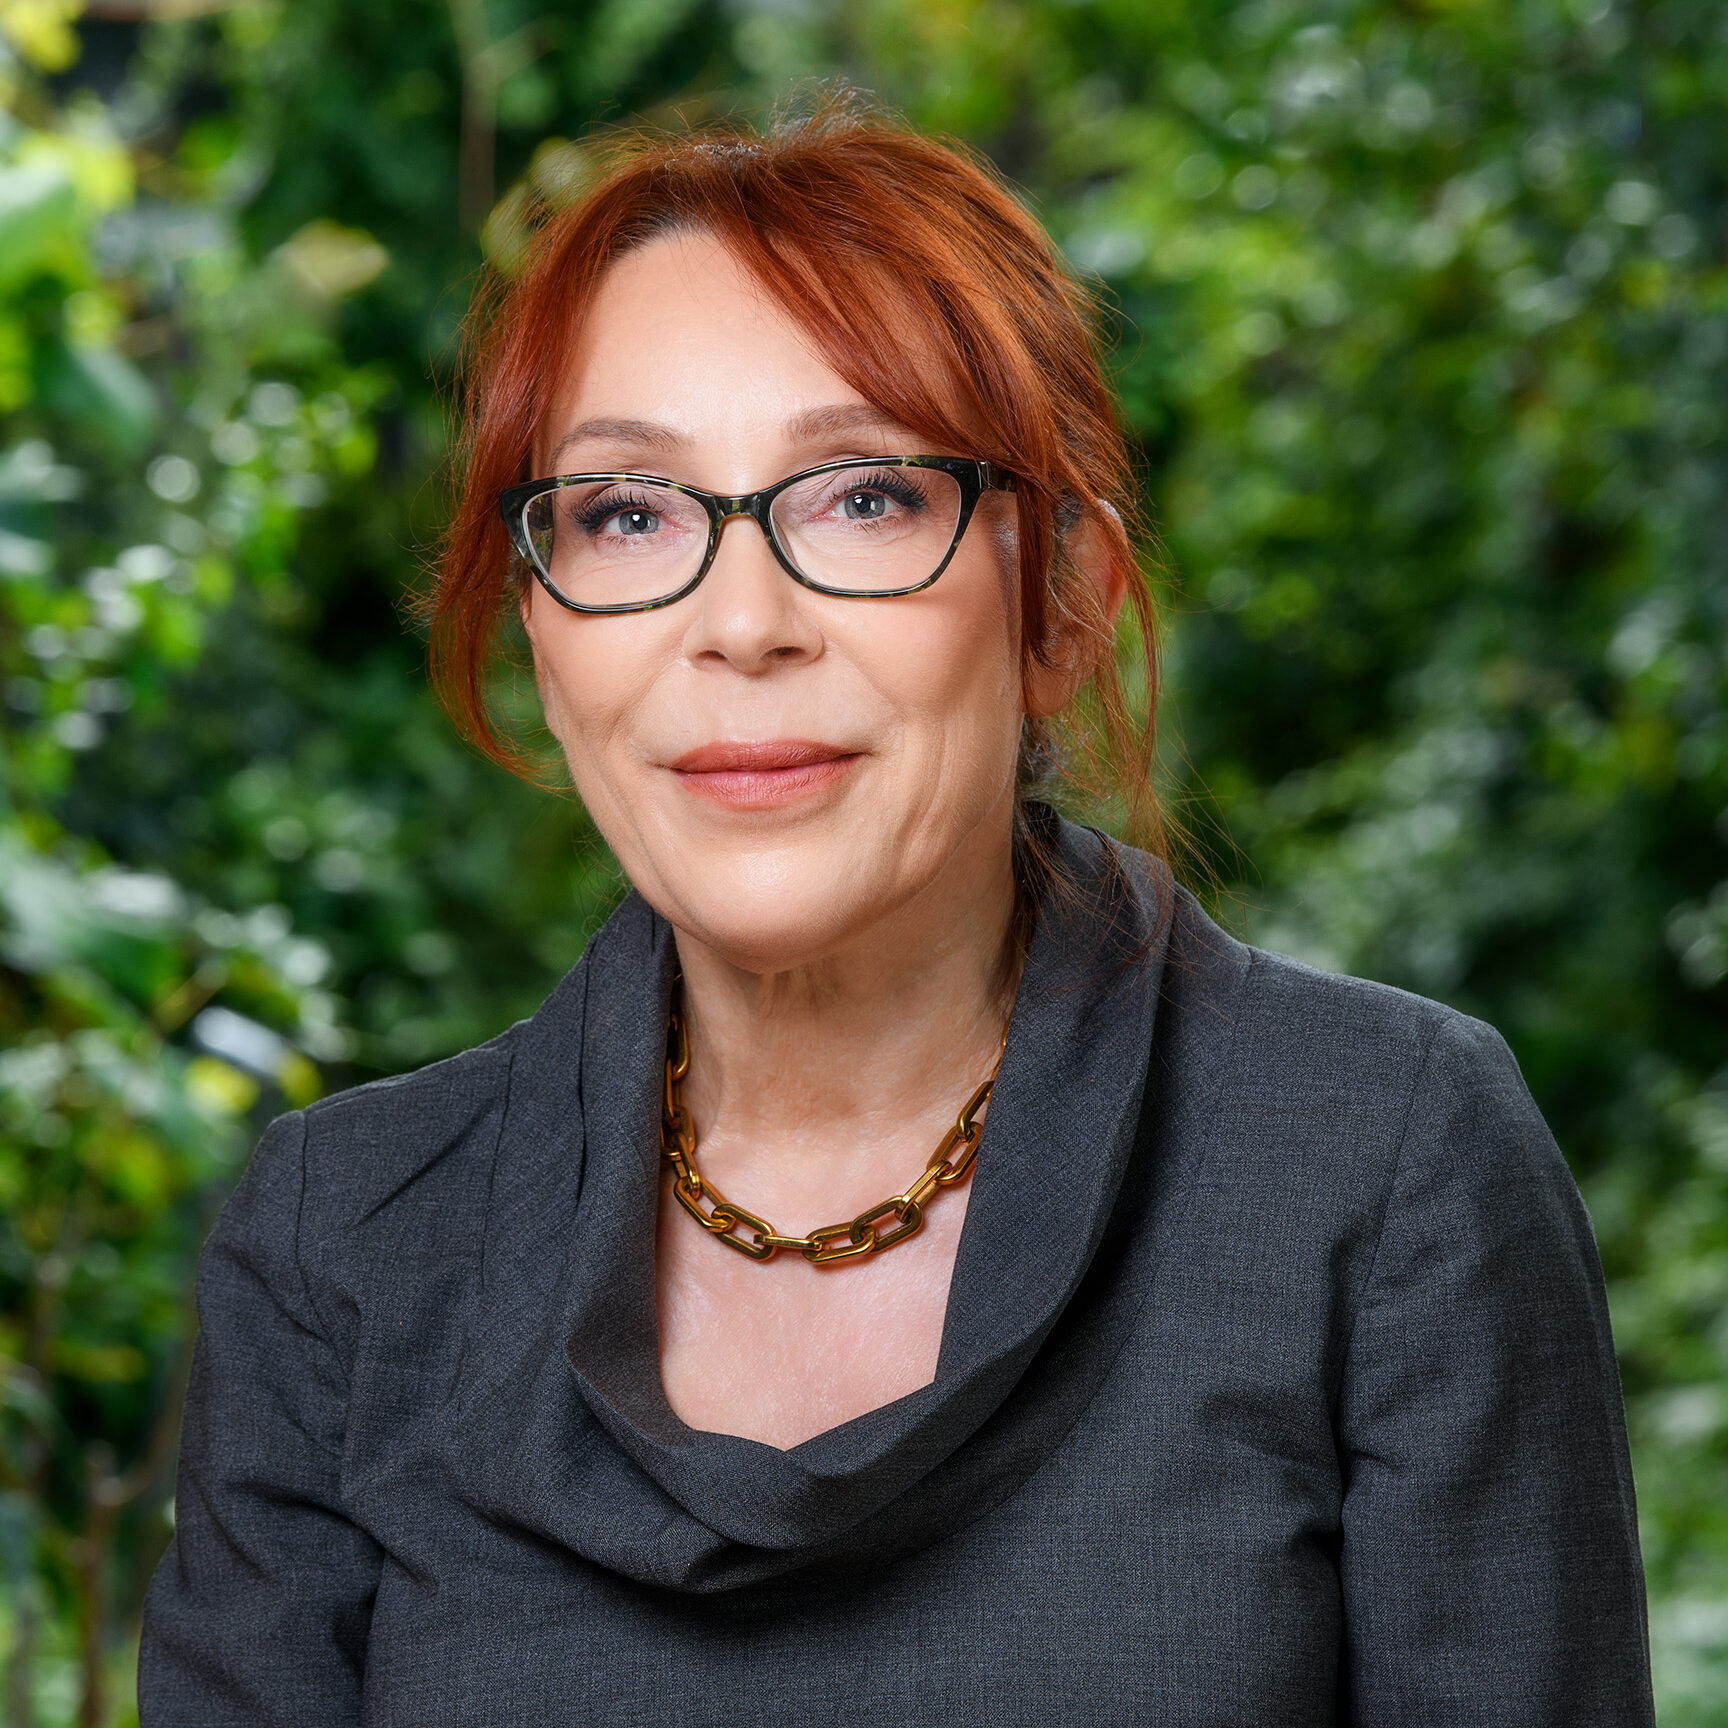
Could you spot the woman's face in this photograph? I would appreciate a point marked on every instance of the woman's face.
(777, 770)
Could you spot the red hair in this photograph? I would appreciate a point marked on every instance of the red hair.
(863, 231)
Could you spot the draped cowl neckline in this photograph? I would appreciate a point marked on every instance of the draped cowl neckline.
(578, 1427)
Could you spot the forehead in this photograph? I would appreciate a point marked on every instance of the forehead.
(681, 334)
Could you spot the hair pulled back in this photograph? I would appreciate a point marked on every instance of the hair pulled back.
(927, 286)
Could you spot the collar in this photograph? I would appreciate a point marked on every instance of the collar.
(583, 1444)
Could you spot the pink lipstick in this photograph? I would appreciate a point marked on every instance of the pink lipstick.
(762, 776)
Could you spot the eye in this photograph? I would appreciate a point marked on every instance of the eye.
(878, 497)
(619, 518)
(857, 506)
(863, 506)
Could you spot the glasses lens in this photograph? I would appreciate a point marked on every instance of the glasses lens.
(610, 542)
(870, 528)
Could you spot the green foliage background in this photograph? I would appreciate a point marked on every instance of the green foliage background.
(1420, 313)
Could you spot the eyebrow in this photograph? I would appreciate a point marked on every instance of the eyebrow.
(643, 433)
(846, 417)
(802, 428)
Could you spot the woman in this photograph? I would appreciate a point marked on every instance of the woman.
(1230, 1345)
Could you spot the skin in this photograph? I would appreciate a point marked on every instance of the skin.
(843, 927)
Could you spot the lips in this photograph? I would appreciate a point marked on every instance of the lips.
(762, 775)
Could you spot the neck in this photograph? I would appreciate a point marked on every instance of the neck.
(844, 1058)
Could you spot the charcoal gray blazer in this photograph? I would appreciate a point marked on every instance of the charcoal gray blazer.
(1275, 1390)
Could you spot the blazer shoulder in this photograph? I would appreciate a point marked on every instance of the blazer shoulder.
(1287, 1016)
(1343, 1058)
(1355, 1016)
(406, 1164)
(1338, 1104)
(422, 1141)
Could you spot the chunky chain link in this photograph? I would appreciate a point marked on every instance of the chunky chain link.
(726, 1221)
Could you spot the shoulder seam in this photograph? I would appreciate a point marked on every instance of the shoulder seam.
(492, 1174)
(1358, 1302)
(501, 1047)
(312, 1307)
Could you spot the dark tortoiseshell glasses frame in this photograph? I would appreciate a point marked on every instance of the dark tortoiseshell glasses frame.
(974, 479)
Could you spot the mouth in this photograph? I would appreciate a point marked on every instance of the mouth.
(762, 776)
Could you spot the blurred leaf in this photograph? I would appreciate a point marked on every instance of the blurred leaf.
(38, 205)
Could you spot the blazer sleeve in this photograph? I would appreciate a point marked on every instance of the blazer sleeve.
(259, 1611)
(1489, 1555)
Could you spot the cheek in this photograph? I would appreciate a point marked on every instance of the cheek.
(942, 671)
(956, 669)
(591, 676)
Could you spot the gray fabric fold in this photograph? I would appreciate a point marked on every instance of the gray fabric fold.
(1276, 1391)
(1061, 1126)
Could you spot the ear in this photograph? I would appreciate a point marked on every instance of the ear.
(1102, 585)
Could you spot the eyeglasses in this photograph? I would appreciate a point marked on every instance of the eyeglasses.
(860, 529)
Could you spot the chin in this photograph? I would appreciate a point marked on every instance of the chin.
(773, 912)
(769, 939)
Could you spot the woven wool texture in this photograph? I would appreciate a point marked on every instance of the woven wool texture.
(1276, 1388)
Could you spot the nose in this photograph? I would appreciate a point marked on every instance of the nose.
(748, 613)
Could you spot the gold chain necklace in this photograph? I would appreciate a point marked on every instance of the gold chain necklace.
(726, 1221)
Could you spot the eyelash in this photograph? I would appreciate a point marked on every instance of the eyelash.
(886, 481)
(605, 507)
